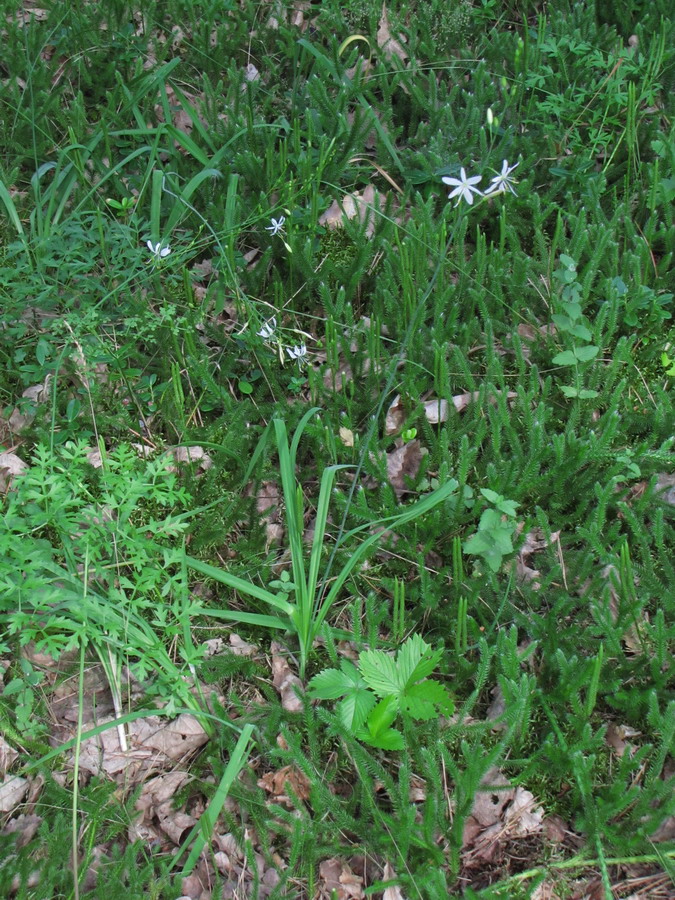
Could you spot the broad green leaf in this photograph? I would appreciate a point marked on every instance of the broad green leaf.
(584, 354)
(385, 740)
(566, 358)
(333, 683)
(356, 707)
(427, 700)
(380, 673)
(416, 660)
(383, 715)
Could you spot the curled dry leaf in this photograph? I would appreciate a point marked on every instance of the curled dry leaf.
(277, 784)
(363, 205)
(403, 463)
(346, 436)
(8, 756)
(239, 647)
(389, 46)
(616, 738)
(394, 892)
(24, 827)
(268, 506)
(12, 791)
(284, 680)
(10, 466)
(154, 744)
(436, 410)
(339, 881)
(190, 455)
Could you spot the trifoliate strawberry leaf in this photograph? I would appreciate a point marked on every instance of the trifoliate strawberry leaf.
(390, 739)
(334, 683)
(382, 715)
(426, 701)
(416, 660)
(356, 706)
(380, 673)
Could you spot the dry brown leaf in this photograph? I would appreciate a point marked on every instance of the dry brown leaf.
(8, 756)
(10, 466)
(395, 417)
(185, 455)
(391, 893)
(12, 791)
(154, 744)
(275, 783)
(363, 205)
(346, 436)
(24, 827)
(404, 463)
(268, 506)
(387, 44)
(284, 680)
(523, 817)
(665, 487)
(239, 647)
(616, 738)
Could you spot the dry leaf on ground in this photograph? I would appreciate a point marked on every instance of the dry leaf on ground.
(268, 507)
(12, 792)
(339, 881)
(8, 755)
(185, 455)
(391, 893)
(10, 466)
(277, 784)
(436, 410)
(285, 680)
(403, 463)
(364, 205)
(389, 46)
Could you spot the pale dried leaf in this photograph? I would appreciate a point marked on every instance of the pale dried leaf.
(12, 791)
(617, 738)
(24, 827)
(362, 204)
(8, 756)
(191, 455)
(277, 784)
(284, 680)
(391, 893)
(268, 506)
(523, 817)
(346, 436)
(10, 466)
(665, 487)
(404, 463)
(239, 647)
(489, 805)
(389, 45)
(437, 410)
(395, 417)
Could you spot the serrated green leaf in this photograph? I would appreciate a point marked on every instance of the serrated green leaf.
(416, 660)
(333, 683)
(379, 672)
(385, 740)
(383, 715)
(355, 708)
(427, 700)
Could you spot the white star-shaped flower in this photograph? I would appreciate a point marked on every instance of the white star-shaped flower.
(268, 329)
(298, 353)
(276, 226)
(157, 250)
(503, 182)
(463, 187)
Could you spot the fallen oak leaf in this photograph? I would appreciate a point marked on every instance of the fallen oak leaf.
(284, 680)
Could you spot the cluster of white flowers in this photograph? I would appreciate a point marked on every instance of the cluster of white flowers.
(298, 353)
(157, 250)
(465, 186)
